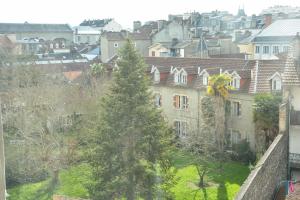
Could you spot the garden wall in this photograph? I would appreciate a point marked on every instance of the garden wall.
(271, 169)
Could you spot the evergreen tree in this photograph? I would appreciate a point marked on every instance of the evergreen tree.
(129, 157)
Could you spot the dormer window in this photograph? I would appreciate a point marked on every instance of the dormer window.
(156, 76)
(180, 77)
(236, 80)
(276, 83)
(236, 83)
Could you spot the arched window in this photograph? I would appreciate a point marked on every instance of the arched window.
(276, 83)
(183, 77)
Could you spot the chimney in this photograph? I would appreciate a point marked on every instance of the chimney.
(296, 46)
(136, 25)
(267, 20)
(160, 24)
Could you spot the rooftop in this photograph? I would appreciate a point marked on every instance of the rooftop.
(33, 28)
(287, 27)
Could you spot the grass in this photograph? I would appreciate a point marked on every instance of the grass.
(222, 186)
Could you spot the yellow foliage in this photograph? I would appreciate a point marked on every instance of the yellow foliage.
(219, 85)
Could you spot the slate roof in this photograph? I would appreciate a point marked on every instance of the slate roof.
(280, 30)
(287, 27)
(119, 36)
(33, 28)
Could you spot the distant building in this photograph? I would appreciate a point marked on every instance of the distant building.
(86, 35)
(103, 25)
(179, 49)
(39, 38)
(111, 42)
(275, 39)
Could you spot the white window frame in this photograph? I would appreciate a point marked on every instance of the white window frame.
(257, 49)
(156, 76)
(181, 128)
(116, 45)
(157, 100)
(276, 84)
(275, 50)
(183, 102)
(205, 79)
(266, 49)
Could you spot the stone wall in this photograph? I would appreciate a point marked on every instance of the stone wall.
(272, 168)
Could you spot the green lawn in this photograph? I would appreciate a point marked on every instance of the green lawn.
(72, 182)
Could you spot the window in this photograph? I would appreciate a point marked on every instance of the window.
(275, 49)
(180, 128)
(180, 77)
(235, 137)
(156, 76)
(180, 102)
(285, 48)
(153, 53)
(88, 39)
(157, 100)
(63, 45)
(205, 79)
(236, 109)
(116, 45)
(276, 83)
(266, 50)
(78, 38)
(56, 45)
(235, 83)
(257, 49)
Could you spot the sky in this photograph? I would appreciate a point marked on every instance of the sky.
(123, 11)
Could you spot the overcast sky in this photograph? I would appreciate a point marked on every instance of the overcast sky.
(123, 11)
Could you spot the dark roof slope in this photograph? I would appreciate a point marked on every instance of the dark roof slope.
(26, 27)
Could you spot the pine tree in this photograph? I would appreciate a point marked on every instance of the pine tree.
(129, 157)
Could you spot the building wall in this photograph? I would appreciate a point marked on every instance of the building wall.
(171, 114)
(244, 123)
(47, 36)
(295, 92)
(270, 55)
(108, 49)
(158, 50)
(247, 48)
(112, 26)
(172, 30)
(142, 46)
(87, 38)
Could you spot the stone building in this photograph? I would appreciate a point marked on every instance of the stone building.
(183, 81)
(39, 38)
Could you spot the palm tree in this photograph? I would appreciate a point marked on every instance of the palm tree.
(219, 87)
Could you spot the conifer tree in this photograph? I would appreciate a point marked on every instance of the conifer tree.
(129, 157)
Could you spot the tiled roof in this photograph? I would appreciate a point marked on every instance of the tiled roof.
(262, 71)
(26, 27)
(290, 76)
(234, 64)
(194, 66)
